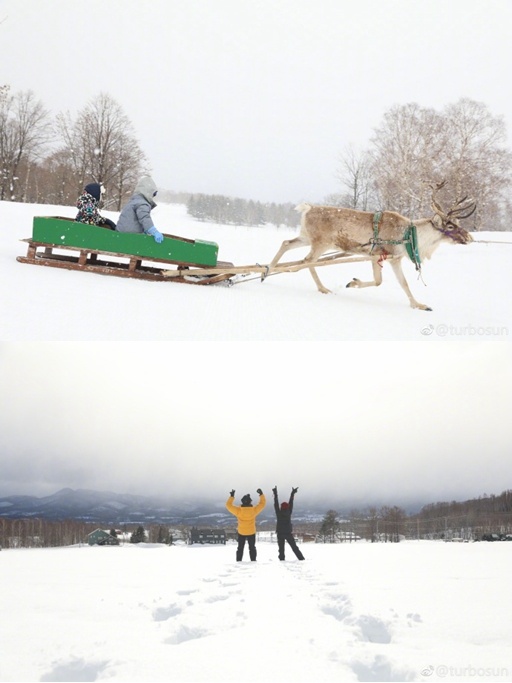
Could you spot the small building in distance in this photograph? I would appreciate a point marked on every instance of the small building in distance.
(102, 537)
(207, 536)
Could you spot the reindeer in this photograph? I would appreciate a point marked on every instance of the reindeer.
(381, 235)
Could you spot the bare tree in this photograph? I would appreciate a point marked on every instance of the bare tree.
(393, 523)
(407, 150)
(355, 176)
(477, 161)
(463, 145)
(100, 145)
(373, 523)
(25, 130)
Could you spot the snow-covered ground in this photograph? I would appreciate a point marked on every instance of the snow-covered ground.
(468, 288)
(414, 611)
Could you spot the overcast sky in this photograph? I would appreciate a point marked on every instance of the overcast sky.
(257, 98)
(353, 422)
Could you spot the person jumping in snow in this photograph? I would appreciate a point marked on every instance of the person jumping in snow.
(284, 524)
(246, 515)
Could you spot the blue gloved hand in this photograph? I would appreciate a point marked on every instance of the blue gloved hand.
(158, 237)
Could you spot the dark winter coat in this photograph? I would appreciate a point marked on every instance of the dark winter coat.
(87, 205)
(135, 216)
(284, 517)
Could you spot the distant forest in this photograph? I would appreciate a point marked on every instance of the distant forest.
(487, 518)
(233, 210)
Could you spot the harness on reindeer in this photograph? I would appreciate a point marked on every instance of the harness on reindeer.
(410, 239)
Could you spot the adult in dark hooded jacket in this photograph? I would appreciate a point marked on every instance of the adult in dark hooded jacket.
(136, 215)
(284, 527)
(87, 205)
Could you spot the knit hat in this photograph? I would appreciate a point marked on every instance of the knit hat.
(94, 189)
(284, 506)
(246, 500)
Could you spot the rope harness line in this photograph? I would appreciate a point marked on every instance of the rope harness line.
(491, 242)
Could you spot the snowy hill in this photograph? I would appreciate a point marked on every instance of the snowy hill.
(467, 287)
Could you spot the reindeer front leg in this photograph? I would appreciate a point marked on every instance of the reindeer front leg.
(397, 267)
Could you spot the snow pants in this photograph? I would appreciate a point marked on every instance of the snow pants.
(282, 539)
(251, 540)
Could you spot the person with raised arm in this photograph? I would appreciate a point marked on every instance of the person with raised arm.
(284, 527)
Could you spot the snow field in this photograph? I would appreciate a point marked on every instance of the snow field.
(369, 612)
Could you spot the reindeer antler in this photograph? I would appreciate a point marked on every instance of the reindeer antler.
(472, 209)
(435, 204)
(460, 207)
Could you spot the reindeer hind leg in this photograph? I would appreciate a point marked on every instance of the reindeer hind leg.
(313, 255)
(287, 245)
(377, 278)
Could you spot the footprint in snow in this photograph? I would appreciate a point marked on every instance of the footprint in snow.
(413, 619)
(184, 633)
(75, 669)
(381, 669)
(338, 607)
(216, 598)
(373, 629)
(164, 613)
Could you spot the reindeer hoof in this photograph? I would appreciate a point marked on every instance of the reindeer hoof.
(354, 282)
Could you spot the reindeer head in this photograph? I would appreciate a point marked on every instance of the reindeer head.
(448, 223)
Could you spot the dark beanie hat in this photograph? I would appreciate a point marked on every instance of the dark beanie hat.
(94, 189)
(246, 500)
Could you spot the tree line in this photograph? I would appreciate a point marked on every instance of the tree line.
(483, 518)
(46, 159)
(236, 211)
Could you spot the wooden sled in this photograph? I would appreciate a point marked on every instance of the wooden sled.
(63, 243)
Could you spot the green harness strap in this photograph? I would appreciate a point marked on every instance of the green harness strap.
(411, 244)
(410, 239)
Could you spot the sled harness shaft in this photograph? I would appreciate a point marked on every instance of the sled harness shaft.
(410, 239)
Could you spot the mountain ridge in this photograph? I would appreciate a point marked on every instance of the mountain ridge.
(108, 507)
